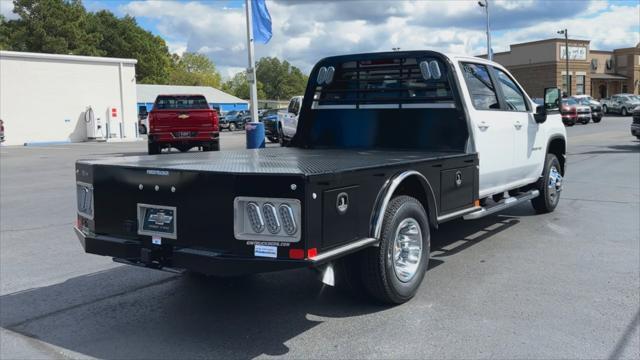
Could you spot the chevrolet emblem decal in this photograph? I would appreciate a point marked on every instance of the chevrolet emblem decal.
(183, 116)
(160, 218)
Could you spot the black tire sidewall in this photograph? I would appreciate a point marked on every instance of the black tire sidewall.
(543, 188)
(402, 291)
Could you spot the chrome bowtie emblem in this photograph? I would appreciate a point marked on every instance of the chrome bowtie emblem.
(160, 218)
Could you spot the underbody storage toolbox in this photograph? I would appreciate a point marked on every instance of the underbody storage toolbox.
(456, 188)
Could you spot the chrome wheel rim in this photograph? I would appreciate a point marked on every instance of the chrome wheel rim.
(407, 249)
(554, 184)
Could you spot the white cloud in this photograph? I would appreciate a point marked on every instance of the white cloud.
(305, 31)
(6, 9)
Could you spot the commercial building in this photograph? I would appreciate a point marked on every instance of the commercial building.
(146, 95)
(540, 64)
(58, 98)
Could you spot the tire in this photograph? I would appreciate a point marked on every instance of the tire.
(142, 129)
(624, 112)
(570, 123)
(153, 148)
(549, 186)
(382, 266)
(597, 120)
(232, 126)
(605, 109)
(214, 146)
(272, 139)
(585, 121)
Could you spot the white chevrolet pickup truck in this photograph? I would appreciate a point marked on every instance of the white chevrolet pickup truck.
(387, 147)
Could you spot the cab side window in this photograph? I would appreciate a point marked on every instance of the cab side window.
(512, 94)
(481, 88)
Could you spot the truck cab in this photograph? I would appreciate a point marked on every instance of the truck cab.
(387, 147)
(288, 120)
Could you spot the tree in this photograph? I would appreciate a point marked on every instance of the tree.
(281, 80)
(5, 32)
(52, 26)
(194, 69)
(239, 86)
(123, 38)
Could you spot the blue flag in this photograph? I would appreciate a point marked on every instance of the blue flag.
(261, 21)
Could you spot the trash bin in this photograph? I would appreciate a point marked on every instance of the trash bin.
(255, 135)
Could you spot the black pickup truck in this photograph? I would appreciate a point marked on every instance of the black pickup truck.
(381, 156)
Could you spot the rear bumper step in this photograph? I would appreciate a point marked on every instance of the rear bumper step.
(178, 260)
(502, 205)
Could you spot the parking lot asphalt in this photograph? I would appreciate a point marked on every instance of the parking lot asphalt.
(514, 285)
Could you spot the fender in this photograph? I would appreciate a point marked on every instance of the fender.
(386, 193)
(563, 158)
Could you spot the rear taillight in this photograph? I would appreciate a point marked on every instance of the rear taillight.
(215, 120)
(151, 120)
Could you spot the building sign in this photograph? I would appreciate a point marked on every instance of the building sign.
(575, 52)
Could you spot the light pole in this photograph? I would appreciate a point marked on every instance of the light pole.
(485, 4)
(566, 56)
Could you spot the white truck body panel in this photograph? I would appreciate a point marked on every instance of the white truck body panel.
(511, 145)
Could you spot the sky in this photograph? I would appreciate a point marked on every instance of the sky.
(305, 31)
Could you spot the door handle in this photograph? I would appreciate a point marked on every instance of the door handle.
(483, 126)
(518, 125)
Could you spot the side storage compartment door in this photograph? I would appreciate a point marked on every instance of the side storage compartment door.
(456, 188)
(340, 212)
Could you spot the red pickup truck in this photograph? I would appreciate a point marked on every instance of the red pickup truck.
(183, 122)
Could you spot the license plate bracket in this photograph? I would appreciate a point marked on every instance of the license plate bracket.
(157, 220)
(183, 134)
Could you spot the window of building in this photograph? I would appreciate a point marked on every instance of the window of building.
(580, 84)
(565, 89)
(481, 89)
(512, 94)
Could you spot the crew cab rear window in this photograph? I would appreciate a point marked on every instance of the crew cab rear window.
(481, 88)
(165, 102)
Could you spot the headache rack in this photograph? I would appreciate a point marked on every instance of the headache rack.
(390, 83)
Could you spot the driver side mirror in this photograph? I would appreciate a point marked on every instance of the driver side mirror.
(551, 105)
(541, 114)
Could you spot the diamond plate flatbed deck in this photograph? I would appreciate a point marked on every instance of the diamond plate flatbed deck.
(284, 161)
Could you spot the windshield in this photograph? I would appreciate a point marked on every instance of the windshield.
(569, 102)
(164, 102)
(231, 113)
(582, 101)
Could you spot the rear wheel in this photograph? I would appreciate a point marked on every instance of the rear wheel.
(605, 109)
(153, 148)
(393, 271)
(232, 127)
(624, 112)
(549, 186)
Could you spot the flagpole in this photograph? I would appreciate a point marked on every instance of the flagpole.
(251, 70)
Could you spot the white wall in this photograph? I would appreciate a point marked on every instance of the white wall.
(43, 97)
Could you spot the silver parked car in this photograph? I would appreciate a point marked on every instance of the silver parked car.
(622, 104)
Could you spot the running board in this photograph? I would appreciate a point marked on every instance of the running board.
(504, 204)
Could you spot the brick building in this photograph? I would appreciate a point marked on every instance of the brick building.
(540, 64)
